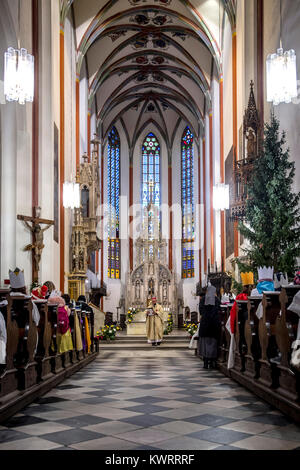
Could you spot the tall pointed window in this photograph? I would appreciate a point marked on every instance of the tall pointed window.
(187, 204)
(113, 189)
(151, 170)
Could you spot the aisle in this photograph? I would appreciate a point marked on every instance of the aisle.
(156, 399)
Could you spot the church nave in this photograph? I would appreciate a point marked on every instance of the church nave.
(149, 400)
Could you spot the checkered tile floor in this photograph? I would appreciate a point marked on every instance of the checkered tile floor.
(149, 400)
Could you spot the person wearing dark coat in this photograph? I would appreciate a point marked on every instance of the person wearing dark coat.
(81, 302)
(209, 330)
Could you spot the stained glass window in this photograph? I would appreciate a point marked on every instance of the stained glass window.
(113, 196)
(151, 170)
(187, 204)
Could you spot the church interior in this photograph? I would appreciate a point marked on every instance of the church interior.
(150, 225)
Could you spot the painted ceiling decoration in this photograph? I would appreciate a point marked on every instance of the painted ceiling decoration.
(138, 2)
(96, 28)
(149, 61)
(154, 18)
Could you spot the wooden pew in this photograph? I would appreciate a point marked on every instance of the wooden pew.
(224, 341)
(33, 366)
(43, 357)
(253, 354)
(79, 354)
(90, 317)
(82, 315)
(73, 355)
(26, 365)
(269, 372)
(240, 340)
(9, 373)
(56, 358)
(286, 331)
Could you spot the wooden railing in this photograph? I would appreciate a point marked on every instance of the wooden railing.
(263, 351)
(33, 363)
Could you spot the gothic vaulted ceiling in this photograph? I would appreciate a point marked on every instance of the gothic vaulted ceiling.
(149, 60)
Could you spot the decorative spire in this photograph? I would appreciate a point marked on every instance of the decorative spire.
(251, 117)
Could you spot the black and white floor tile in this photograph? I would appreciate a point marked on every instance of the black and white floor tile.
(149, 400)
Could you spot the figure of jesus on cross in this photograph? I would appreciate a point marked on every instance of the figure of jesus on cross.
(37, 245)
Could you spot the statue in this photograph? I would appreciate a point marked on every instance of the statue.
(37, 245)
(151, 287)
(137, 290)
(251, 144)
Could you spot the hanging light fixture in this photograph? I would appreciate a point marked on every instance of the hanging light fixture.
(18, 73)
(281, 77)
(221, 197)
(281, 74)
(71, 195)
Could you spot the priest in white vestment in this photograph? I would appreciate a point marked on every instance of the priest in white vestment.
(154, 322)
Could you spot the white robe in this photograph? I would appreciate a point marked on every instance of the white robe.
(232, 347)
(3, 335)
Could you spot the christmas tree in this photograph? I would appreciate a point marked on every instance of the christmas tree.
(272, 218)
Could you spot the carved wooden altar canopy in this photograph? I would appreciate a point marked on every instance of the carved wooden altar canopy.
(243, 168)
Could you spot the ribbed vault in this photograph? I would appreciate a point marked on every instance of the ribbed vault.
(149, 61)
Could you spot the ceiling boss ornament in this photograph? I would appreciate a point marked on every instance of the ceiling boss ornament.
(138, 2)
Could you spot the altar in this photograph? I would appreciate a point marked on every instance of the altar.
(138, 325)
(151, 276)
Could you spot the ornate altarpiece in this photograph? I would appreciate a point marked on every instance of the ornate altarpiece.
(151, 275)
(84, 231)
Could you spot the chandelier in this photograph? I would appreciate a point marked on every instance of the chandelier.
(18, 75)
(221, 197)
(281, 73)
(281, 77)
(71, 195)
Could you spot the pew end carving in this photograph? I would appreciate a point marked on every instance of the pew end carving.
(253, 354)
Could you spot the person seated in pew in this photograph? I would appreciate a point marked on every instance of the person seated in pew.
(227, 297)
(297, 279)
(39, 293)
(18, 288)
(280, 280)
(81, 302)
(265, 281)
(248, 282)
(63, 334)
(67, 300)
(50, 286)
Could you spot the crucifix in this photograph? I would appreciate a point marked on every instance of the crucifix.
(37, 245)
